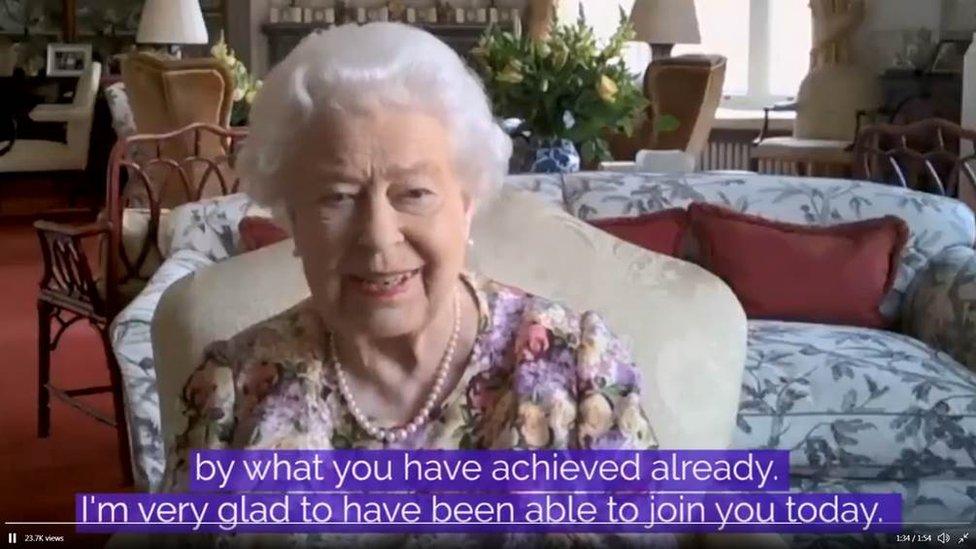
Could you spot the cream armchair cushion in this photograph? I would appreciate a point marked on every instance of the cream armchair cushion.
(33, 155)
(687, 330)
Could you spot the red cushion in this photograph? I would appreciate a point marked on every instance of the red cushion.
(258, 232)
(833, 275)
(660, 232)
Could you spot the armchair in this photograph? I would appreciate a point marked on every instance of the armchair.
(168, 94)
(688, 87)
(830, 101)
(35, 155)
(920, 156)
(72, 290)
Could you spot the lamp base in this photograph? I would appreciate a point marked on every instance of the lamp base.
(661, 51)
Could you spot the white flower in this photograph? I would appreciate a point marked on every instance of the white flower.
(596, 416)
(630, 419)
(568, 120)
(238, 94)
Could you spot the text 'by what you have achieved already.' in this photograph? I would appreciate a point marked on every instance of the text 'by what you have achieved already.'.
(335, 471)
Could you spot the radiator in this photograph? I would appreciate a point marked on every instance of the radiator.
(733, 154)
(724, 155)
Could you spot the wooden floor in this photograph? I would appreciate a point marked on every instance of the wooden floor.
(24, 198)
(39, 477)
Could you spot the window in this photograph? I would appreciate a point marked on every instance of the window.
(767, 43)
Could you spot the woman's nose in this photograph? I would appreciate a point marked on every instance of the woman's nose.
(380, 227)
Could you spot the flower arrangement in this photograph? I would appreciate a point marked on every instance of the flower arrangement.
(246, 86)
(562, 86)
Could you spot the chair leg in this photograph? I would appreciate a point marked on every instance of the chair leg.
(118, 402)
(44, 312)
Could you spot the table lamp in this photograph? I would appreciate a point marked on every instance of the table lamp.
(172, 23)
(664, 23)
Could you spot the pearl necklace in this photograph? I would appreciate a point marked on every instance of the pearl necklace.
(396, 434)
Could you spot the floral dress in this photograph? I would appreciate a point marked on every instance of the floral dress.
(540, 376)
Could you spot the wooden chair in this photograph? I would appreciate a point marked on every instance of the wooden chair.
(923, 156)
(71, 289)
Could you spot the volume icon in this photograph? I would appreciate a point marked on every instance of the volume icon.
(943, 538)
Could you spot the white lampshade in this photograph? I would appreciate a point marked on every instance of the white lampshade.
(172, 22)
(665, 21)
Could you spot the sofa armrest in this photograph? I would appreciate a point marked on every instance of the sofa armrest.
(940, 308)
(59, 113)
(132, 346)
(617, 166)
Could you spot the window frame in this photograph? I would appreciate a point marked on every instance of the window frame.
(757, 95)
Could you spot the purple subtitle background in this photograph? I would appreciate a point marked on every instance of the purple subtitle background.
(239, 481)
(887, 518)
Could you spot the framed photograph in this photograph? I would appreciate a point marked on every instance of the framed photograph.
(68, 59)
(948, 57)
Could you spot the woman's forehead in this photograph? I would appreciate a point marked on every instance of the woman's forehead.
(364, 172)
(391, 141)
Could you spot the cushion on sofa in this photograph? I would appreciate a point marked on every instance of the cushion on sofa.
(258, 232)
(210, 225)
(935, 222)
(856, 403)
(784, 271)
(661, 232)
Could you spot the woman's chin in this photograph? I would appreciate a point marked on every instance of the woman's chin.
(388, 323)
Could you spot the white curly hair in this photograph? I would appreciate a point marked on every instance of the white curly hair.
(352, 68)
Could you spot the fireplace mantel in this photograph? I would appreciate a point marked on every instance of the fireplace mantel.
(283, 37)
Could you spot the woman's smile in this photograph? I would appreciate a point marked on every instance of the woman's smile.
(385, 286)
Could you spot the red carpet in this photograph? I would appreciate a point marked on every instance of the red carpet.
(39, 477)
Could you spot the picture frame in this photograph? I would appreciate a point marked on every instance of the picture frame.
(68, 59)
(948, 57)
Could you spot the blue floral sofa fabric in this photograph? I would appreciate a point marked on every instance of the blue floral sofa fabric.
(860, 409)
(204, 233)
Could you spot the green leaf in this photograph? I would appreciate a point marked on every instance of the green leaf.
(666, 123)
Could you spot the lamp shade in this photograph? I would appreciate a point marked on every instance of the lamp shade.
(665, 21)
(172, 22)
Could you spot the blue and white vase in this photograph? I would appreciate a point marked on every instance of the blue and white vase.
(555, 156)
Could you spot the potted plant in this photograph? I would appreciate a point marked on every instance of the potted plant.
(565, 89)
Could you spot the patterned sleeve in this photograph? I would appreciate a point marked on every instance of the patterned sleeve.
(207, 402)
(609, 414)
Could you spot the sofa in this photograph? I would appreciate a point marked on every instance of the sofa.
(860, 409)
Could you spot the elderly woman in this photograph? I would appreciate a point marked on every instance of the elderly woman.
(376, 144)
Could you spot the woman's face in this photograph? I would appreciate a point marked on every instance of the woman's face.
(380, 219)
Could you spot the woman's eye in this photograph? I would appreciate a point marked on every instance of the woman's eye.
(337, 199)
(417, 194)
